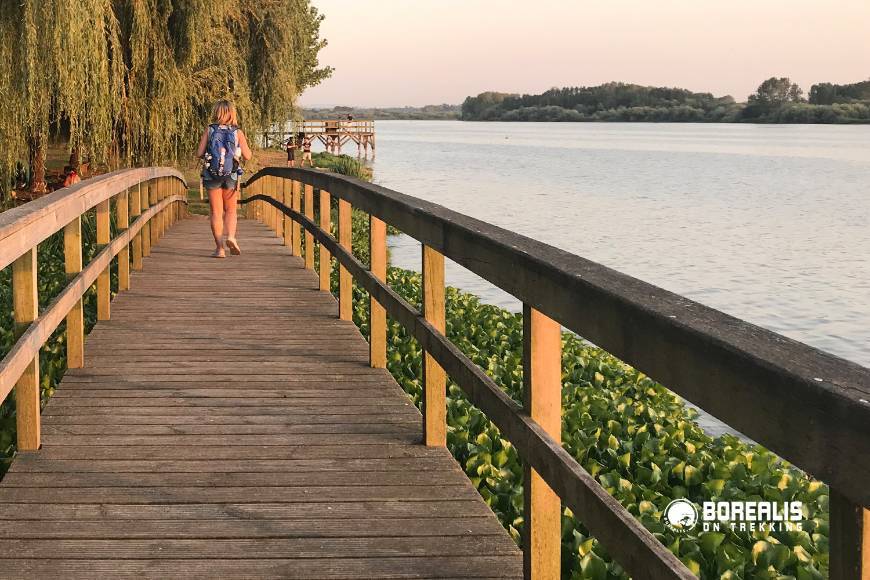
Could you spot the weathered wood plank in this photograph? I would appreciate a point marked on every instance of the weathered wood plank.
(246, 494)
(251, 528)
(419, 568)
(260, 548)
(333, 510)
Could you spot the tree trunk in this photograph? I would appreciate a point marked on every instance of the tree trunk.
(75, 158)
(37, 165)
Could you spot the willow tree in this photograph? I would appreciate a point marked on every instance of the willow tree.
(183, 55)
(61, 79)
(131, 81)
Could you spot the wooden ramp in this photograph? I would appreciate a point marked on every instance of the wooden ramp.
(229, 425)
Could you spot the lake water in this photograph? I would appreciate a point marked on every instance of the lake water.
(768, 223)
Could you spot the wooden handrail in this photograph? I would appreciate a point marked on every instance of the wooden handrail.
(21, 231)
(754, 379)
(27, 225)
(634, 546)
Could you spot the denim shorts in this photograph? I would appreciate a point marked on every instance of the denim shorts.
(226, 182)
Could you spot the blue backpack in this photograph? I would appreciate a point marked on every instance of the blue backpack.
(221, 152)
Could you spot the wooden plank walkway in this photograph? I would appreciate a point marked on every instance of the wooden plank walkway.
(228, 425)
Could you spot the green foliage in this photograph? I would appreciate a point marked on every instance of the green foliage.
(830, 94)
(633, 435)
(607, 102)
(133, 82)
(777, 100)
(343, 164)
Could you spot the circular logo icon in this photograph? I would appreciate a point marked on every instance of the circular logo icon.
(681, 515)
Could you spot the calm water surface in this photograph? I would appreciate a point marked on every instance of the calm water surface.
(767, 223)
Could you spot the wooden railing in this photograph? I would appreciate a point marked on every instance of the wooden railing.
(323, 126)
(806, 405)
(154, 197)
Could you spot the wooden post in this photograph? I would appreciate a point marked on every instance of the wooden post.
(265, 189)
(849, 542)
(135, 212)
(542, 381)
(377, 313)
(309, 239)
(326, 226)
(161, 215)
(104, 291)
(25, 300)
(297, 229)
(75, 322)
(146, 229)
(152, 201)
(345, 282)
(275, 193)
(122, 210)
(286, 195)
(434, 378)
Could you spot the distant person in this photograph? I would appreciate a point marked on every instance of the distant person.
(72, 176)
(349, 117)
(222, 147)
(306, 152)
(291, 153)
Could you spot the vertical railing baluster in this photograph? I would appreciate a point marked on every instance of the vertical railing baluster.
(345, 282)
(135, 212)
(325, 225)
(286, 199)
(161, 217)
(122, 211)
(25, 304)
(849, 542)
(146, 228)
(269, 191)
(434, 378)
(297, 229)
(104, 291)
(542, 393)
(277, 222)
(75, 323)
(309, 238)
(152, 201)
(377, 313)
(278, 195)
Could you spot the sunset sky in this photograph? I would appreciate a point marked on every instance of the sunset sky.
(417, 52)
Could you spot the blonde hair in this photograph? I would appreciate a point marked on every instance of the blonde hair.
(224, 113)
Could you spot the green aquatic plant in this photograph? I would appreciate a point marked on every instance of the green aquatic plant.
(639, 440)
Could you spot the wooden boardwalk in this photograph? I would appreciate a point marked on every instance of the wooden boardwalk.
(229, 425)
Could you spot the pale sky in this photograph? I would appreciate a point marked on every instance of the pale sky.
(418, 52)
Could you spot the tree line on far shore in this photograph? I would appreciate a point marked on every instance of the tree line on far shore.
(443, 112)
(777, 100)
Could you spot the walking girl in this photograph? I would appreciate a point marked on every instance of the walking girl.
(221, 148)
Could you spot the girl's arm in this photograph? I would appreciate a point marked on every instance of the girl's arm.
(243, 143)
(202, 144)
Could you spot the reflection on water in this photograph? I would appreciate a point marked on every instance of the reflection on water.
(767, 223)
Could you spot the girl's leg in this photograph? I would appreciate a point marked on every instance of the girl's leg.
(230, 219)
(230, 200)
(216, 215)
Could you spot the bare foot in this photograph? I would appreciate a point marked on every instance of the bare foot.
(219, 253)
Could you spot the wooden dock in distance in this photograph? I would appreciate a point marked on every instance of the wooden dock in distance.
(334, 134)
(228, 424)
